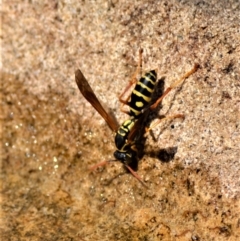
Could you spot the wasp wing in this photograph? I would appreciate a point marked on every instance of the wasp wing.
(89, 95)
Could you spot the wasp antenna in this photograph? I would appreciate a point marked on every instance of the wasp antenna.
(136, 175)
(100, 164)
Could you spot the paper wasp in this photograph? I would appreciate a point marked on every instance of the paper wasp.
(127, 134)
(127, 153)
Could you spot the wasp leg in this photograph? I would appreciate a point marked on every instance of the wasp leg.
(152, 126)
(174, 85)
(131, 83)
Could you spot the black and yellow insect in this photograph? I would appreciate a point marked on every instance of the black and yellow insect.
(127, 134)
(126, 150)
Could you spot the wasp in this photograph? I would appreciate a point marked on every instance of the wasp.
(127, 151)
(127, 134)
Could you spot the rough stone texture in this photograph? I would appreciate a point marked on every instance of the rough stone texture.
(51, 135)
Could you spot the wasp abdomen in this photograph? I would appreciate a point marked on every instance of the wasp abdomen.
(142, 93)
